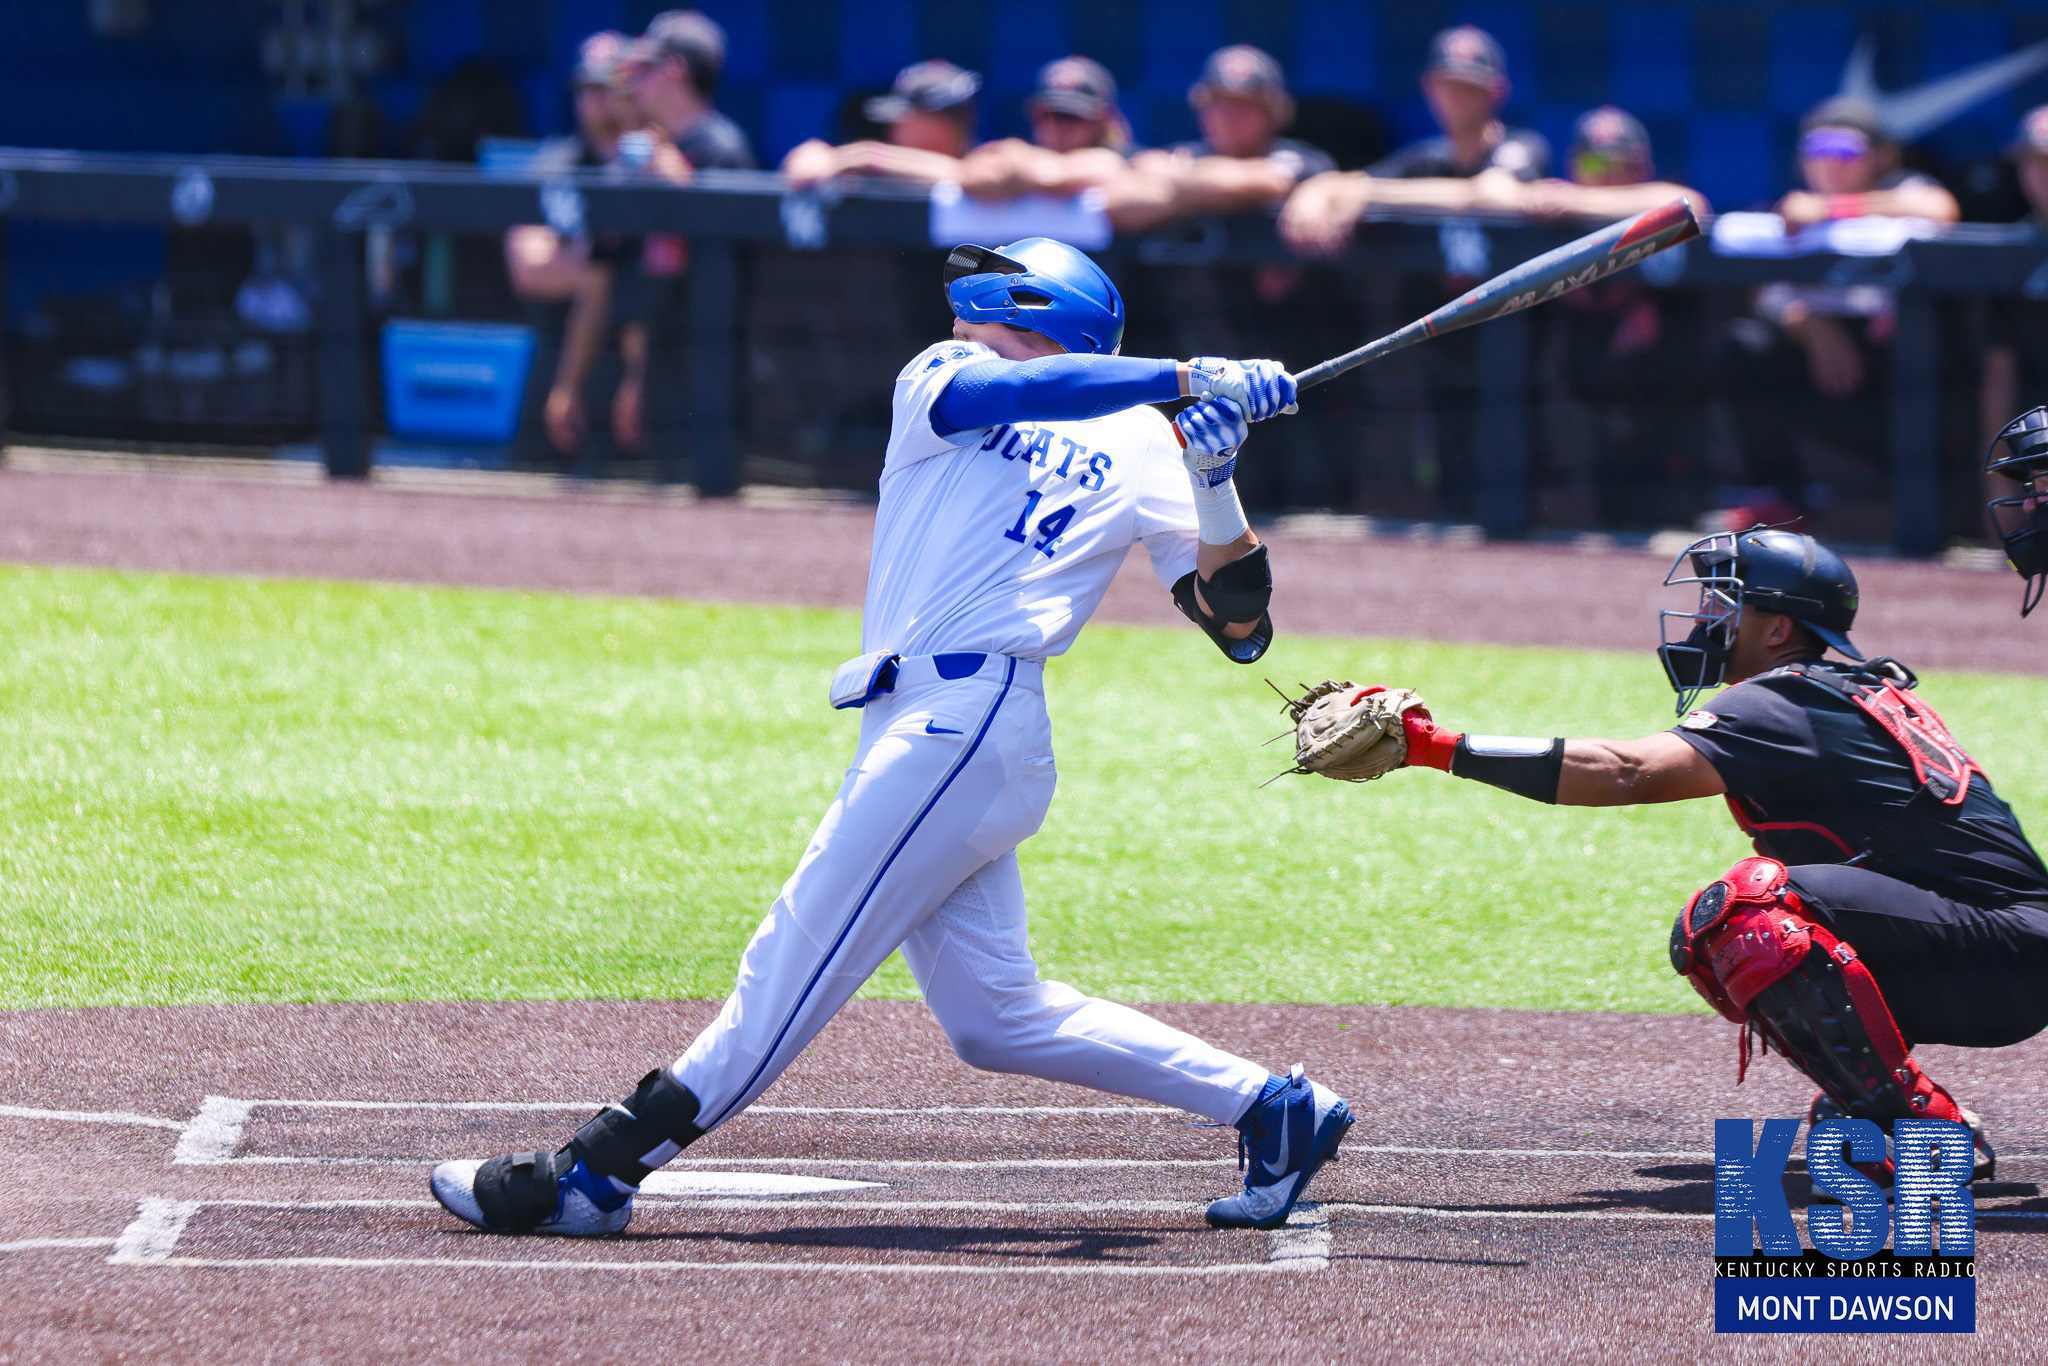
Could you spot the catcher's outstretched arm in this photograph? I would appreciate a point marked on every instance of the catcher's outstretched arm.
(1356, 734)
(1656, 768)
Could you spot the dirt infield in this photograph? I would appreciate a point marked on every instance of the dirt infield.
(532, 533)
(248, 1183)
(226, 1184)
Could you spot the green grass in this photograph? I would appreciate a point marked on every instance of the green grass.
(221, 790)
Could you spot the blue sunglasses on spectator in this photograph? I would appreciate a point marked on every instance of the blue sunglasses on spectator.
(1834, 144)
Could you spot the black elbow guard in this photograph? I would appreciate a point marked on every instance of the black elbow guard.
(1239, 591)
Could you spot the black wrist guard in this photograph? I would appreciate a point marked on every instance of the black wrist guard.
(1527, 768)
(1239, 592)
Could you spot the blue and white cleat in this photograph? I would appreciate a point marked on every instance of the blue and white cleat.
(532, 1193)
(1288, 1135)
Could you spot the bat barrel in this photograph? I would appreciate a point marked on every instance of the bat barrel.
(1554, 273)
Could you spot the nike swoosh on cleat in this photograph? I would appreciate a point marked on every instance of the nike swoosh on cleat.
(930, 729)
(1278, 1168)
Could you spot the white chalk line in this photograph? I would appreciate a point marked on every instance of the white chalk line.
(215, 1133)
(154, 1233)
(893, 1163)
(815, 1268)
(731, 1204)
(1309, 1214)
(579, 1105)
(1303, 1242)
(44, 1244)
(88, 1117)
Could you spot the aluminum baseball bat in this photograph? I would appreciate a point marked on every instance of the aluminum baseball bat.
(1595, 256)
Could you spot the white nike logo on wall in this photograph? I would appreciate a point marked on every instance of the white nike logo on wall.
(1908, 114)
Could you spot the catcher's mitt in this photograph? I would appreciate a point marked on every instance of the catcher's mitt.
(1351, 732)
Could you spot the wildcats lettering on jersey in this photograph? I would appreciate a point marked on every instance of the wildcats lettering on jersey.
(1028, 441)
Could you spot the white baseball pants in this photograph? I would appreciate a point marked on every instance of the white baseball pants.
(918, 851)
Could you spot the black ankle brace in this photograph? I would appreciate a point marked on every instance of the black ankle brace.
(628, 1140)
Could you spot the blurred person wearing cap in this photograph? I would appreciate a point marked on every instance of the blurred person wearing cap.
(668, 77)
(1079, 138)
(1465, 82)
(673, 70)
(1811, 364)
(542, 265)
(1851, 168)
(548, 270)
(1244, 163)
(1623, 406)
(2015, 366)
(1622, 411)
(930, 113)
(1241, 163)
(1475, 164)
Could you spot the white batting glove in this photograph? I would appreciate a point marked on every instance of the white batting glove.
(1210, 433)
(1262, 388)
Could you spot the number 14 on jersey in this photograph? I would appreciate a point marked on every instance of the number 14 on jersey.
(1049, 526)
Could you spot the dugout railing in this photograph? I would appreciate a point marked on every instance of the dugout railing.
(724, 213)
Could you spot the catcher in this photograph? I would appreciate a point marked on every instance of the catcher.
(1893, 899)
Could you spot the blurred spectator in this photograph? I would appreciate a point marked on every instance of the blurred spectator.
(547, 269)
(1851, 168)
(1465, 82)
(673, 70)
(1476, 163)
(929, 113)
(1610, 178)
(1613, 174)
(1240, 163)
(1812, 363)
(2015, 370)
(1622, 360)
(1079, 139)
(544, 266)
(1244, 163)
(650, 100)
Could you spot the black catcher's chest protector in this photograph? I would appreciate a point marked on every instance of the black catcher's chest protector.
(1942, 768)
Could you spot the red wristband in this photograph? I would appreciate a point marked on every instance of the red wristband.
(1429, 745)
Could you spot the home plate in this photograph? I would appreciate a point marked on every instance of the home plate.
(703, 1185)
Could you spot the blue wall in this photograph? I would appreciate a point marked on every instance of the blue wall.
(1719, 84)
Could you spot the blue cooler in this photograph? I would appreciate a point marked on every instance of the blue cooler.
(455, 381)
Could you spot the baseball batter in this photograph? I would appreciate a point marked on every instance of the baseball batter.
(1022, 466)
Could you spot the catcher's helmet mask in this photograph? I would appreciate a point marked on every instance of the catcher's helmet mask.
(1039, 285)
(2024, 460)
(1769, 568)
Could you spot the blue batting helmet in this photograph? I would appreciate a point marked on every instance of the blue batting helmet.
(1041, 285)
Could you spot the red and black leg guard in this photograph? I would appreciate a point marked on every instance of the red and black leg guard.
(1745, 943)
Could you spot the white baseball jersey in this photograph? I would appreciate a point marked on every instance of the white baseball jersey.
(1004, 539)
(994, 545)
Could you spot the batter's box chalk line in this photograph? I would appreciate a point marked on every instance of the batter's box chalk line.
(151, 1240)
